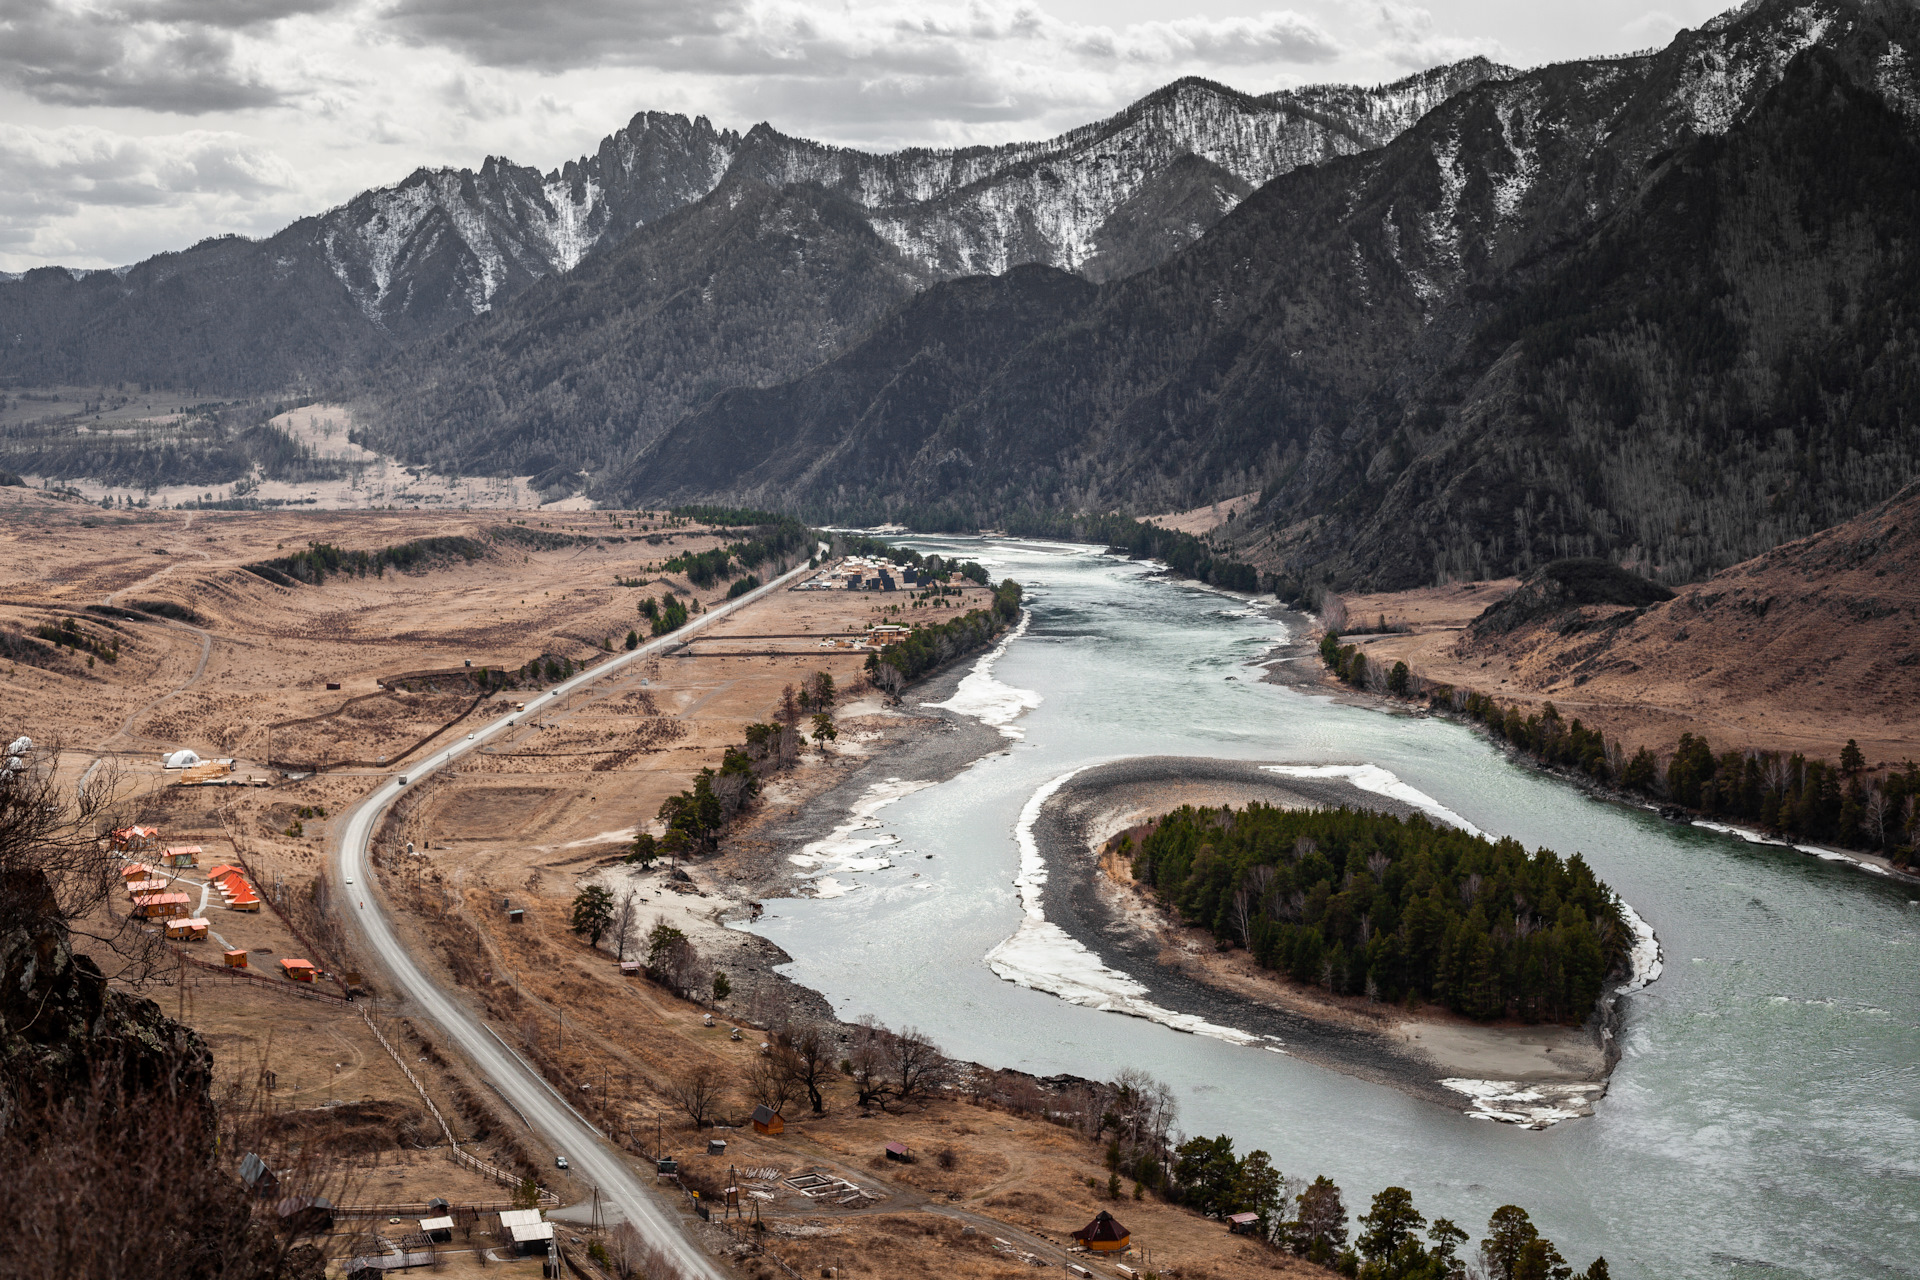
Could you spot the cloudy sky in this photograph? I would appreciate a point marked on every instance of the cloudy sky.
(128, 127)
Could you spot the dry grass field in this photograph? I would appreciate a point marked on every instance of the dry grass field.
(209, 656)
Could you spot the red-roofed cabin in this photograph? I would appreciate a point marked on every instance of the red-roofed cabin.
(140, 888)
(243, 902)
(135, 871)
(132, 839)
(1104, 1234)
(189, 929)
(182, 855)
(222, 871)
(236, 959)
(160, 906)
(300, 970)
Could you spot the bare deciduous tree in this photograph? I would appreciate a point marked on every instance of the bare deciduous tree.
(916, 1064)
(768, 1078)
(56, 863)
(626, 920)
(869, 1063)
(697, 1091)
(808, 1056)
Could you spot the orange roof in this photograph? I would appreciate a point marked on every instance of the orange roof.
(297, 964)
(153, 899)
(183, 848)
(135, 871)
(224, 869)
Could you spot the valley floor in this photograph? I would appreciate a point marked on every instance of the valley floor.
(527, 822)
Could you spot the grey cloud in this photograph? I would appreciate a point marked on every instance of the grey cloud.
(59, 176)
(230, 15)
(562, 35)
(62, 53)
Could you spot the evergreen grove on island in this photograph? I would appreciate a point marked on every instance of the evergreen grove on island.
(1395, 909)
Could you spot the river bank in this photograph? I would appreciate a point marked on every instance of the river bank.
(1528, 1075)
(1098, 942)
(1298, 665)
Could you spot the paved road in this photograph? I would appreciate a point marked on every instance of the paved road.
(592, 1158)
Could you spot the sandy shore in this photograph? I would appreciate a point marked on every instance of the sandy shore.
(1533, 1075)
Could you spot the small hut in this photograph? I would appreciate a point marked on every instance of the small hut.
(767, 1121)
(305, 1214)
(531, 1237)
(1105, 1234)
(437, 1230)
(135, 871)
(140, 888)
(299, 970)
(235, 959)
(187, 929)
(898, 1151)
(259, 1179)
(1243, 1224)
(182, 855)
(132, 839)
(160, 906)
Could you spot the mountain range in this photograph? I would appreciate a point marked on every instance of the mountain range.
(1656, 308)
(338, 290)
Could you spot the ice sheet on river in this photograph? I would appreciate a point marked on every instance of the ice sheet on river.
(849, 848)
(1042, 956)
(987, 700)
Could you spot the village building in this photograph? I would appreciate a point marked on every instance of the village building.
(1105, 1234)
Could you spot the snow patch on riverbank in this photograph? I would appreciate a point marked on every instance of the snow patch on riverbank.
(986, 699)
(848, 849)
(1644, 956)
(1532, 1106)
(1825, 855)
(1382, 782)
(1044, 957)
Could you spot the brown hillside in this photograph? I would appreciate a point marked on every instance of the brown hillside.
(1801, 648)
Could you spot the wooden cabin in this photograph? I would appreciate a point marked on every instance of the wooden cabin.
(898, 1151)
(161, 906)
(187, 929)
(1105, 1234)
(767, 1121)
(182, 855)
(299, 970)
(136, 871)
(235, 959)
(141, 888)
(1243, 1224)
(134, 839)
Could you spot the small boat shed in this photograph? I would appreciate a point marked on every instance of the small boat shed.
(767, 1121)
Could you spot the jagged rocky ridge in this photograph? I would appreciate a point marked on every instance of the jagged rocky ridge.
(399, 263)
(1659, 309)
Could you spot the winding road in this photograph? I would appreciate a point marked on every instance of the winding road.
(591, 1156)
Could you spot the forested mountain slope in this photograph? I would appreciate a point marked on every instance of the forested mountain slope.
(752, 285)
(396, 264)
(1659, 309)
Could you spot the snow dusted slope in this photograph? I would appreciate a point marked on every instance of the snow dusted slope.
(448, 243)
(983, 210)
(416, 259)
